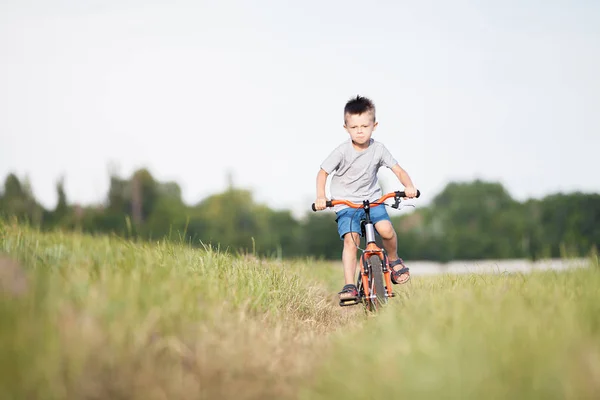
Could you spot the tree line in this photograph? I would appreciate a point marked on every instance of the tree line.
(465, 221)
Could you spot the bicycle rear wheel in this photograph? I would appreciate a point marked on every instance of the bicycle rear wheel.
(377, 283)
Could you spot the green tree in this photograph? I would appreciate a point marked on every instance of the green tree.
(228, 220)
(320, 236)
(17, 200)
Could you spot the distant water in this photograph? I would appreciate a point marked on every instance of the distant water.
(493, 266)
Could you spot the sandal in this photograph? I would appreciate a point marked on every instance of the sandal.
(399, 276)
(348, 294)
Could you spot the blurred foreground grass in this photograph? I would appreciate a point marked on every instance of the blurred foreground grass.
(511, 336)
(98, 318)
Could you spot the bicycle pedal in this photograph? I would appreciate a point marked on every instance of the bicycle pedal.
(346, 303)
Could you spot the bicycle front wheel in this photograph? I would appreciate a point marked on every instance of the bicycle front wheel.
(378, 292)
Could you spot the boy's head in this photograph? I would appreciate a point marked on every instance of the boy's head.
(359, 119)
(359, 105)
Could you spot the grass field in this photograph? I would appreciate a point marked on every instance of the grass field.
(105, 318)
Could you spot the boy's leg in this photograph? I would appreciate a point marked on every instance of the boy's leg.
(386, 230)
(349, 257)
(348, 221)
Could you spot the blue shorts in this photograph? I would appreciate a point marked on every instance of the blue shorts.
(349, 216)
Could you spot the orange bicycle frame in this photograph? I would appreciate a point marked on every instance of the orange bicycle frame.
(371, 247)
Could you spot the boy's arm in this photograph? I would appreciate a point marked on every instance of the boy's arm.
(404, 179)
(321, 181)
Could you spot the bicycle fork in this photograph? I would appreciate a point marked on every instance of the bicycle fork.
(370, 250)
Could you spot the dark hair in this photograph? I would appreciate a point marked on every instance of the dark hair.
(359, 105)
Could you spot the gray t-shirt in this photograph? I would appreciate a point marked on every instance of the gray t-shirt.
(355, 177)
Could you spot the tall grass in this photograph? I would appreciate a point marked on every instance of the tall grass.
(510, 336)
(108, 318)
(86, 317)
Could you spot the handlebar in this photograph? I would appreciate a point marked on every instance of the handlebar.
(331, 203)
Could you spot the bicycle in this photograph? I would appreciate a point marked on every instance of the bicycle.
(374, 281)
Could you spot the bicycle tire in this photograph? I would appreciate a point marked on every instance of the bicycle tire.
(378, 283)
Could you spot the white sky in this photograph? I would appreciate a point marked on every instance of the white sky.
(506, 91)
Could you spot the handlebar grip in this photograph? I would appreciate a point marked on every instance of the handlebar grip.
(327, 204)
(403, 194)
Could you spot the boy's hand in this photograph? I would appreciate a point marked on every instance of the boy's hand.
(320, 204)
(410, 192)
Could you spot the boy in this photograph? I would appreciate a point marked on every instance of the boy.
(356, 163)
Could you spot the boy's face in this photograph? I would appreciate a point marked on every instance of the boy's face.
(360, 127)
